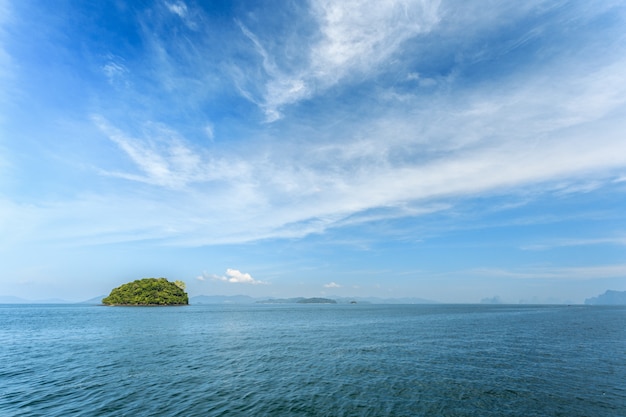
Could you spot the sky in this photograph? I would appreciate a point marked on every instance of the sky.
(454, 151)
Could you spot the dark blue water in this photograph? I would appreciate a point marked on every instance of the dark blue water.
(313, 360)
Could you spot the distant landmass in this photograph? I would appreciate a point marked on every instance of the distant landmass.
(610, 297)
(317, 300)
(299, 300)
(378, 300)
(244, 299)
(491, 300)
(8, 299)
(280, 300)
(94, 300)
(221, 299)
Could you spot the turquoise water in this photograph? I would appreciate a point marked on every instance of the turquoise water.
(312, 360)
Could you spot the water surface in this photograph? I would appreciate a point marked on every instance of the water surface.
(312, 360)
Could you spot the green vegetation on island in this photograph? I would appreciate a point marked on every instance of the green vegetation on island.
(148, 292)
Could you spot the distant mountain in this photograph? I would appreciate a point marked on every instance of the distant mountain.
(610, 297)
(221, 299)
(244, 299)
(317, 300)
(8, 299)
(377, 300)
(298, 300)
(281, 300)
(491, 300)
(95, 300)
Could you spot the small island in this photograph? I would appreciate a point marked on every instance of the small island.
(148, 292)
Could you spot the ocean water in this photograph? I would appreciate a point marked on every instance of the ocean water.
(312, 360)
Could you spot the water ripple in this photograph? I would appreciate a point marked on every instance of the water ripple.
(312, 361)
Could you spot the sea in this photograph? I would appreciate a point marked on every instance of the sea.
(313, 360)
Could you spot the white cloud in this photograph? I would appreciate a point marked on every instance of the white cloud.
(115, 71)
(356, 38)
(187, 15)
(405, 165)
(332, 285)
(8, 67)
(236, 276)
(407, 158)
(179, 8)
(413, 76)
(6, 63)
(619, 241)
(360, 35)
(166, 159)
(232, 276)
(209, 129)
(398, 164)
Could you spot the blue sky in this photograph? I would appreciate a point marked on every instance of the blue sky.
(448, 150)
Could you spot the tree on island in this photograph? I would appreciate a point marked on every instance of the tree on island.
(148, 292)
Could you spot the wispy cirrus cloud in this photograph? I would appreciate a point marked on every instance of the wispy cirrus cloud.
(116, 71)
(165, 159)
(7, 64)
(413, 154)
(180, 9)
(360, 36)
(619, 241)
(556, 273)
(405, 165)
(353, 40)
